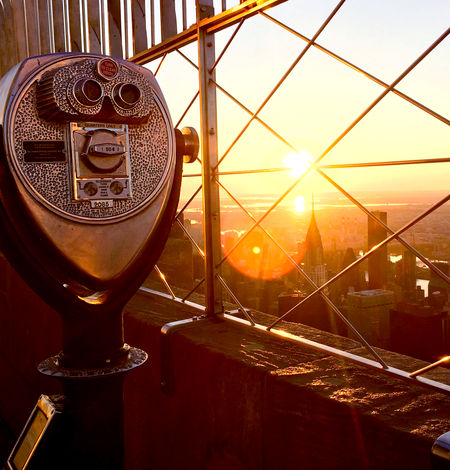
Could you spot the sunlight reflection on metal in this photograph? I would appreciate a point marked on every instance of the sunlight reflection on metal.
(187, 110)
(194, 243)
(185, 57)
(227, 45)
(388, 163)
(241, 308)
(164, 280)
(160, 63)
(242, 172)
(188, 202)
(199, 283)
(430, 367)
(329, 167)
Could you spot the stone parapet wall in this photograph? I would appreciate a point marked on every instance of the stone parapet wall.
(246, 400)
(240, 398)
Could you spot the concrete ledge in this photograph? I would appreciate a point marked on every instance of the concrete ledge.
(241, 399)
(246, 400)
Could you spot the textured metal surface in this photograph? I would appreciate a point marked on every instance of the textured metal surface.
(134, 358)
(58, 84)
(89, 237)
(49, 182)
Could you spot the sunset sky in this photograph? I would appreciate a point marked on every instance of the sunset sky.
(322, 96)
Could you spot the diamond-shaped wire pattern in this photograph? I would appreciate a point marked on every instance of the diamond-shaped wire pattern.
(258, 230)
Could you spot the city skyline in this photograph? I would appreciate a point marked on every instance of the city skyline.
(388, 292)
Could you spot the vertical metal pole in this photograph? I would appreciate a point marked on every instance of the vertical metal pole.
(104, 27)
(126, 28)
(208, 117)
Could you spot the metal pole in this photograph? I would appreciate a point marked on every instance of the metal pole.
(208, 117)
(91, 367)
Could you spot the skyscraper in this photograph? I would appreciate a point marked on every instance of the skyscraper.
(369, 313)
(351, 281)
(314, 264)
(408, 280)
(377, 261)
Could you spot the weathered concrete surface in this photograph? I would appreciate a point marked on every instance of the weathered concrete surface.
(242, 399)
(246, 400)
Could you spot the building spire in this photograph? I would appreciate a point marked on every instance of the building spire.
(313, 242)
(313, 258)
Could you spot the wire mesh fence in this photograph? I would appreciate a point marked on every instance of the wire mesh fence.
(321, 192)
(351, 285)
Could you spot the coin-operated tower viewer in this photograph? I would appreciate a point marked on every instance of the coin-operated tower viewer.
(90, 172)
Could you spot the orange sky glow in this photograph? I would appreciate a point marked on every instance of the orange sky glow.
(321, 97)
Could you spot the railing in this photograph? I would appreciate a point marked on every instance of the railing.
(121, 28)
(147, 33)
(214, 285)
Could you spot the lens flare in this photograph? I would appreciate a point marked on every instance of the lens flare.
(257, 257)
(298, 163)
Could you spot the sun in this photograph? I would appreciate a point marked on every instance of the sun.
(299, 204)
(298, 163)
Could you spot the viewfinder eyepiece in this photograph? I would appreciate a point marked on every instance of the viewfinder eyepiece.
(88, 91)
(127, 95)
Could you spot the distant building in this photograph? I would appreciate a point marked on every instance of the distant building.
(314, 312)
(313, 261)
(369, 313)
(420, 330)
(437, 284)
(177, 260)
(350, 281)
(408, 280)
(378, 261)
(268, 295)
